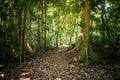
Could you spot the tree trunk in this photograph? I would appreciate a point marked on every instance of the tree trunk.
(38, 35)
(20, 35)
(72, 34)
(25, 26)
(83, 55)
(76, 27)
(58, 27)
(45, 8)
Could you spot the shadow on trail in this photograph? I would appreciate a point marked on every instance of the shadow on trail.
(53, 65)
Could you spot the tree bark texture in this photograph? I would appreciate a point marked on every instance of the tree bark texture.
(25, 26)
(86, 29)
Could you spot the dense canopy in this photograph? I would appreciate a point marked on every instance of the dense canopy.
(90, 29)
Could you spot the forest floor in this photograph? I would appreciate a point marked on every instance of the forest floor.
(54, 65)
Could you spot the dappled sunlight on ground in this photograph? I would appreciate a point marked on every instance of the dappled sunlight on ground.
(54, 65)
(64, 45)
(2, 75)
(24, 79)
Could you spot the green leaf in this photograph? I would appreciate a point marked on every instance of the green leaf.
(1, 65)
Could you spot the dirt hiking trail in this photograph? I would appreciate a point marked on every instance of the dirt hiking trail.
(54, 65)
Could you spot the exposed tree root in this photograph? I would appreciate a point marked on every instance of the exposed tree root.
(80, 56)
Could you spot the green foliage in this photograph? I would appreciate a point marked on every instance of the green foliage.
(105, 24)
(118, 53)
(95, 58)
(50, 46)
(82, 59)
(4, 46)
(116, 67)
(1, 65)
(116, 71)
